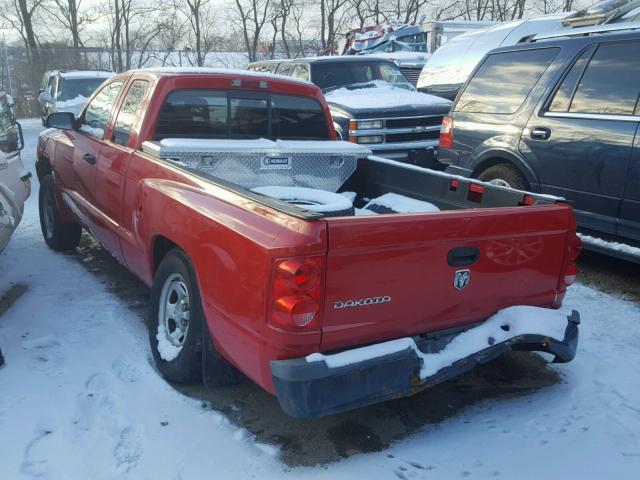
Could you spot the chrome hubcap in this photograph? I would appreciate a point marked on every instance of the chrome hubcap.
(174, 310)
(500, 182)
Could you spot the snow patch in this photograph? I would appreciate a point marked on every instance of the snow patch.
(224, 71)
(383, 95)
(610, 245)
(74, 102)
(308, 198)
(504, 325)
(166, 349)
(401, 204)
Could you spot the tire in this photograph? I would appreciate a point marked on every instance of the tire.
(175, 336)
(58, 234)
(328, 203)
(506, 175)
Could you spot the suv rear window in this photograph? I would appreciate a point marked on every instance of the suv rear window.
(610, 84)
(504, 80)
(220, 114)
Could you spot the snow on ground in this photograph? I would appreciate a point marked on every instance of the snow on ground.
(80, 399)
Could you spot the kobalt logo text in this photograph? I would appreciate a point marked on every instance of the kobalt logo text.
(361, 302)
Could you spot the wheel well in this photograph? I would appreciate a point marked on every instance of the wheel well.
(43, 167)
(161, 246)
(490, 162)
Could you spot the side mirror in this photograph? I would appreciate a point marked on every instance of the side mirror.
(62, 120)
(45, 97)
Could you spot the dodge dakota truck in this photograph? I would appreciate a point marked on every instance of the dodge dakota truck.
(332, 278)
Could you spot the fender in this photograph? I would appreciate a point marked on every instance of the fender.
(487, 158)
(232, 243)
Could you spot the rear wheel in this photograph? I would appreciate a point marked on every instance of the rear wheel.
(59, 235)
(175, 319)
(505, 175)
(178, 334)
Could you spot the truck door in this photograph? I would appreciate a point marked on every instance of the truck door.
(580, 141)
(112, 164)
(629, 224)
(88, 144)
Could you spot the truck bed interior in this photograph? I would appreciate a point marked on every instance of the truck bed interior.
(339, 170)
(376, 177)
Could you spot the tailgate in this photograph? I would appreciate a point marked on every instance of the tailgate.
(389, 276)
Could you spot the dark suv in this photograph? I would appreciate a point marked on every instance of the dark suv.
(559, 116)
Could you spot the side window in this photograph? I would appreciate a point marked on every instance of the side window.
(95, 117)
(284, 69)
(611, 83)
(127, 114)
(564, 94)
(300, 71)
(504, 80)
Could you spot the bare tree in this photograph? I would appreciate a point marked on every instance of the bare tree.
(252, 16)
(21, 16)
(71, 16)
(199, 15)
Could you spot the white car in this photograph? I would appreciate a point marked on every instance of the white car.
(68, 90)
(15, 183)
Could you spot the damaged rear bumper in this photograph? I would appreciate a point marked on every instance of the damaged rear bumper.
(324, 385)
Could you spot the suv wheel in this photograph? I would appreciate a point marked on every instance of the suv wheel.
(504, 175)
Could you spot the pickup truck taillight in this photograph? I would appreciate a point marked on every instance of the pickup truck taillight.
(297, 293)
(573, 251)
(446, 133)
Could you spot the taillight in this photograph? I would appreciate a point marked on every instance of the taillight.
(476, 191)
(574, 247)
(446, 133)
(297, 293)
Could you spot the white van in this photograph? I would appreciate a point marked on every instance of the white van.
(449, 66)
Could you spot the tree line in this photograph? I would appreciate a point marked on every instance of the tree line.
(257, 27)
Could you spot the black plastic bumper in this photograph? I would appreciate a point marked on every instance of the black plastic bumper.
(313, 389)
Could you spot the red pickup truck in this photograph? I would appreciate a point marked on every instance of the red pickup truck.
(331, 278)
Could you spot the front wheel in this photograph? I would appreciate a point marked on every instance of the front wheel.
(58, 234)
(505, 175)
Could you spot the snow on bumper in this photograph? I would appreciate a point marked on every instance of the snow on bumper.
(319, 385)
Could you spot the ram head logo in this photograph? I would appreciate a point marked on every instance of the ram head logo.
(461, 279)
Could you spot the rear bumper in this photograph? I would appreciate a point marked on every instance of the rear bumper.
(314, 388)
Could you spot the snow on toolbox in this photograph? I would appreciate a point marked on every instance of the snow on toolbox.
(321, 384)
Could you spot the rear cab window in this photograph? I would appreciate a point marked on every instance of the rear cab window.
(504, 80)
(219, 114)
(602, 81)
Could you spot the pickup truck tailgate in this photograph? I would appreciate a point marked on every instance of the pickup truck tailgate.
(389, 276)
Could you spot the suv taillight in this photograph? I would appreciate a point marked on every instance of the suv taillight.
(574, 246)
(297, 293)
(446, 133)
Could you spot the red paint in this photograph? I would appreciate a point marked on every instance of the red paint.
(269, 282)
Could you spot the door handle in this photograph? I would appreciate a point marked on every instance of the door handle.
(90, 159)
(463, 256)
(541, 133)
